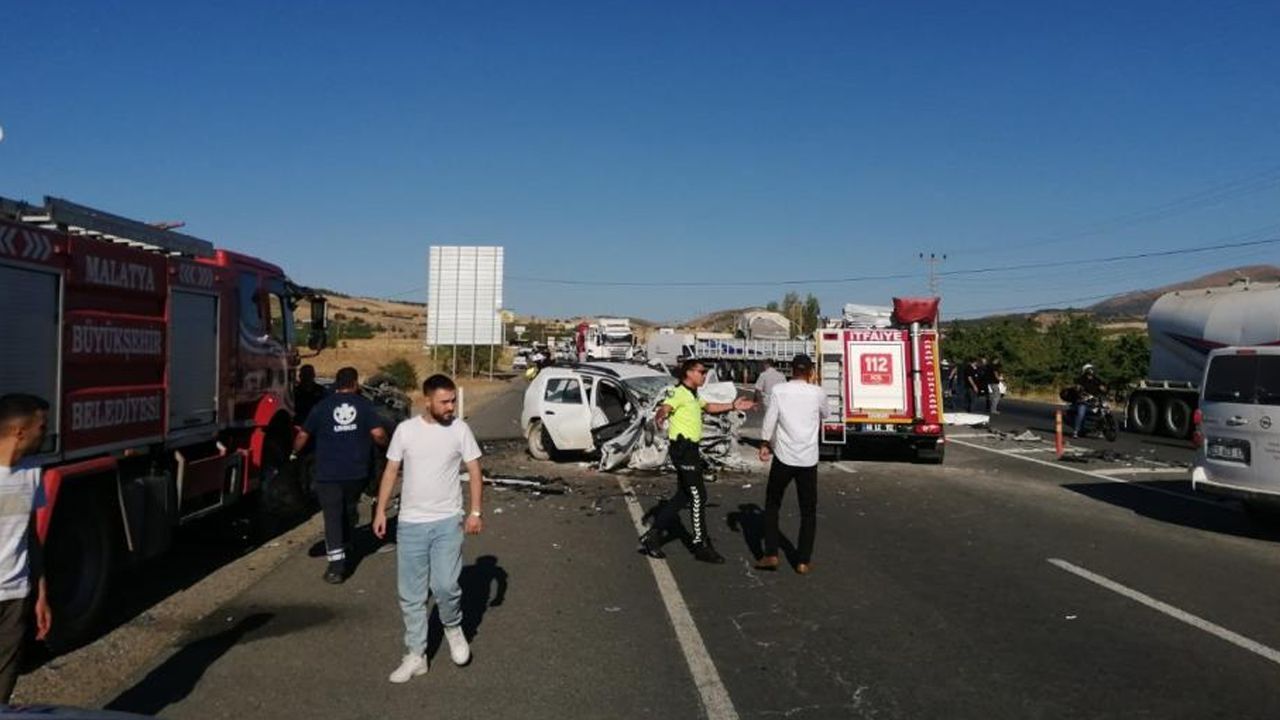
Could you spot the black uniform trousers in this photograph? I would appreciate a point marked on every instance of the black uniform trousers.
(692, 490)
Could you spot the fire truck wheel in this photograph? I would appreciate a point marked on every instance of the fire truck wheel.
(540, 445)
(930, 454)
(80, 554)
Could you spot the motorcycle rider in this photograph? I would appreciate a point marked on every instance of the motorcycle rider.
(1088, 386)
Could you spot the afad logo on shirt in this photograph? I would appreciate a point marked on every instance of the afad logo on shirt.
(345, 417)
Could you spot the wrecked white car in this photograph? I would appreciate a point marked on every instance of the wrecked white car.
(609, 407)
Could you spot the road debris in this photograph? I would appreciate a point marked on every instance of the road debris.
(537, 483)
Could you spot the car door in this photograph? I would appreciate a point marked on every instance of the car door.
(1232, 419)
(565, 411)
(1266, 433)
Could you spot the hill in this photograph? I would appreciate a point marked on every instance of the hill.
(1138, 302)
(718, 321)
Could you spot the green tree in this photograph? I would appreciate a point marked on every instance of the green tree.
(401, 373)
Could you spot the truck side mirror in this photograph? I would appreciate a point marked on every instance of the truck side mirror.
(318, 337)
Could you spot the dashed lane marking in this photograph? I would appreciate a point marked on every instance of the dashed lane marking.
(1087, 473)
(1194, 621)
(716, 702)
(845, 468)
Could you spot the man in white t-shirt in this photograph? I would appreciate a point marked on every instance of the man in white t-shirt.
(429, 530)
(790, 433)
(22, 424)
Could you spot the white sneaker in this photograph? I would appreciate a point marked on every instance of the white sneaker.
(410, 666)
(459, 650)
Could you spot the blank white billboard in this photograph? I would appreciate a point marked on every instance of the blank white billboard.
(464, 295)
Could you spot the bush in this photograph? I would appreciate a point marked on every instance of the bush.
(401, 373)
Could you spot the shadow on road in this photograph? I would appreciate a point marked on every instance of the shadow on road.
(748, 520)
(1227, 519)
(484, 585)
(177, 676)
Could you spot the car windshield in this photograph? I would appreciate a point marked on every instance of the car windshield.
(648, 386)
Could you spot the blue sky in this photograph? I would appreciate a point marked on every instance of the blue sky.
(665, 141)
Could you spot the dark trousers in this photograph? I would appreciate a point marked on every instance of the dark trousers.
(692, 491)
(806, 478)
(13, 631)
(338, 504)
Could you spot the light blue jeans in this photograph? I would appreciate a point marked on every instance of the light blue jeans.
(428, 558)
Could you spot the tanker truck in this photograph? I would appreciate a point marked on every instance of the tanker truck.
(1183, 327)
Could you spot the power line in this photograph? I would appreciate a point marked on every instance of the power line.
(899, 276)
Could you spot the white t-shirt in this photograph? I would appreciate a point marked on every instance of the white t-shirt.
(431, 454)
(18, 496)
(791, 423)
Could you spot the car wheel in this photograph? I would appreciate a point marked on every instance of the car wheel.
(540, 444)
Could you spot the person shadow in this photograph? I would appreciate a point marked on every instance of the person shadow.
(484, 585)
(748, 520)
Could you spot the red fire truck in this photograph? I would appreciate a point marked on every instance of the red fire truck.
(168, 365)
(882, 377)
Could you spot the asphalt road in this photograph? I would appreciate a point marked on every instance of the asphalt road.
(1002, 584)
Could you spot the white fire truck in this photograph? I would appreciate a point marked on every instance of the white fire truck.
(880, 368)
(168, 365)
(882, 375)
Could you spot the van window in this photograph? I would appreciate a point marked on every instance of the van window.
(1268, 383)
(1251, 379)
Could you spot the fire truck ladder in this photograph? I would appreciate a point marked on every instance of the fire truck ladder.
(76, 219)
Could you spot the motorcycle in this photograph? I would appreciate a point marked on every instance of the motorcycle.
(1097, 417)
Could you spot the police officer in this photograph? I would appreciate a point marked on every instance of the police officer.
(684, 409)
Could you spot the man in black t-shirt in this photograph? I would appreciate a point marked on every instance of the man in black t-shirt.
(345, 426)
(307, 394)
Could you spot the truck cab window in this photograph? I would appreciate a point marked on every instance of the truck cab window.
(280, 316)
(250, 312)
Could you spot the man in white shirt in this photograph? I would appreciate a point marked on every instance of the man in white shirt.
(768, 380)
(22, 425)
(790, 435)
(431, 447)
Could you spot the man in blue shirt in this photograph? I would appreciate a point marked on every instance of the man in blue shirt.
(345, 426)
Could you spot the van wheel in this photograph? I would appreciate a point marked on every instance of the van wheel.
(540, 445)
(80, 555)
(1143, 413)
(1177, 418)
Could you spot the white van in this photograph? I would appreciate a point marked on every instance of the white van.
(1238, 424)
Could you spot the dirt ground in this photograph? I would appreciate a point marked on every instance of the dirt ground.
(367, 356)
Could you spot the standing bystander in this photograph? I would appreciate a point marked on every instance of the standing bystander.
(307, 394)
(345, 426)
(684, 409)
(22, 425)
(429, 530)
(766, 382)
(790, 435)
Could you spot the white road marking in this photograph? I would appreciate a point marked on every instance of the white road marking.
(1195, 621)
(1179, 472)
(716, 702)
(1028, 451)
(1100, 476)
(968, 435)
(845, 468)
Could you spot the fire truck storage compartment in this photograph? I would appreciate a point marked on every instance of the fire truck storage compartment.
(29, 327)
(193, 360)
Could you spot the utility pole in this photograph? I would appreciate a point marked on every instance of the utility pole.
(933, 260)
